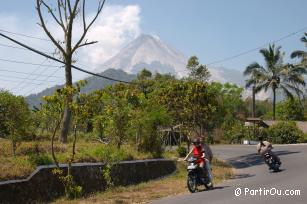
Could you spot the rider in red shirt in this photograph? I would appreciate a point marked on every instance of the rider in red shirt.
(198, 152)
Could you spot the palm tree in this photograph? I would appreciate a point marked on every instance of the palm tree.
(300, 53)
(302, 56)
(274, 75)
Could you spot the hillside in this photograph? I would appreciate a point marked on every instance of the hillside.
(93, 83)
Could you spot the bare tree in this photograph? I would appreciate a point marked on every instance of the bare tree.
(64, 14)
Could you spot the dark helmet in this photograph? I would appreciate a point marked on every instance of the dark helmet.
(260, 138)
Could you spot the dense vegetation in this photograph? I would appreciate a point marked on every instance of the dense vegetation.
(134, 113)
(284, 132)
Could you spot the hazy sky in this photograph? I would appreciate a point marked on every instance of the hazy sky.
(212, 30)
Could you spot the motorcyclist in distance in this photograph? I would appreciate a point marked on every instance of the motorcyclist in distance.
(264, 146)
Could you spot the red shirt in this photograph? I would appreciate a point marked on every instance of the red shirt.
(198, 153)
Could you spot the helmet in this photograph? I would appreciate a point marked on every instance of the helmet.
(196, 141)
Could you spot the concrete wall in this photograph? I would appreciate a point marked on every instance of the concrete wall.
(43, 186)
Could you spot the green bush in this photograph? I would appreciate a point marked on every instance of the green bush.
(284, 133)
(304, 138)
(111, 154)
(182, 151)
(147, 127)
(40, 159)
(290, 109)
(236, 132)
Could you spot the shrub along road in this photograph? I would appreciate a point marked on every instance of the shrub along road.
(253, 178)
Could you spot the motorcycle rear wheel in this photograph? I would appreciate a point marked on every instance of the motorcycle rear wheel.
(209, 186)
(276, 168)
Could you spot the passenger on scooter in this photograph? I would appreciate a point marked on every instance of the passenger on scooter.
(266, 147)
(208, 157)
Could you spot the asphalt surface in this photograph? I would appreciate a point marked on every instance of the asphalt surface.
(256, 183)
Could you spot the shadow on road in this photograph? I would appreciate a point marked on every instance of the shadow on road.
(253, 159)
(214, 188)
(275, 172)
(219, 187)
(240, 176)
(285, 152)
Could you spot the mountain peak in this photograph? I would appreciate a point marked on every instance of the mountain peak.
(146, 37)
(147, 51)
(142, 40)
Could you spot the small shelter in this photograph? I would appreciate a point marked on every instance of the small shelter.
(256, 124)
(172, 136)
(256, 121)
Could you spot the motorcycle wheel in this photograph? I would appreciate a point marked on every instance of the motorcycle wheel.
(191, 183)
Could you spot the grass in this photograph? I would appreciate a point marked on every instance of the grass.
(152, 190)
(31, 154)
(14, 168)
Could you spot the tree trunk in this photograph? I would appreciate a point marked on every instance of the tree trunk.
(14, 147)
(67, 110)
(274, 102)
(254, 103)
(65, 124)
(52, 143)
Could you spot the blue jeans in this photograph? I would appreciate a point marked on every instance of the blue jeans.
(208, 167)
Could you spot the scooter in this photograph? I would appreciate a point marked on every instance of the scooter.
(196, 177)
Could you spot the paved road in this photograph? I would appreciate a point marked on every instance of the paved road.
(252, 173)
